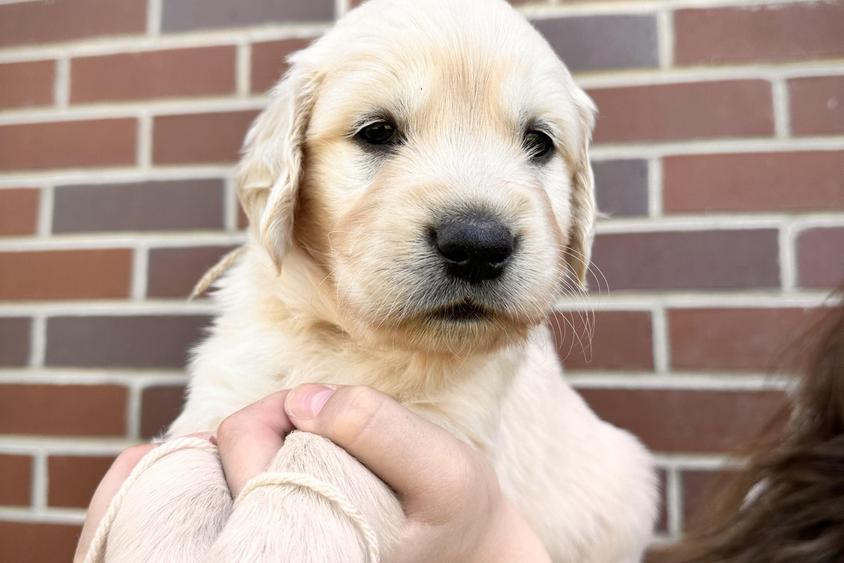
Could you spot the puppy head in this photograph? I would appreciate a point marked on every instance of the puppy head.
(432, 157)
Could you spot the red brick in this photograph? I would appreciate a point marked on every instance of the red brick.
(696, 110)
(779, 181)
(159, 407)
(15, 480)
(269, 61)
(66, 20)
(65, 410)
(18, 211)
(820, 257)
(735, 339)
(173, 272)
(700, 489)
(201, 71)
(200, 137)
(619, 340)
(68, 144)
(717, 259)
(66, 274)
(808, 30)
(680, 420)
(37, 542)
(73, 479)
(27, 83)
(816, 105)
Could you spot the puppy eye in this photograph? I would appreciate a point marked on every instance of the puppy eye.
(378, 133)
(538, 145)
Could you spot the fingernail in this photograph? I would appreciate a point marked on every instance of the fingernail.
(307, 401)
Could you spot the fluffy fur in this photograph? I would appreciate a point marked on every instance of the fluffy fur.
(337, 282)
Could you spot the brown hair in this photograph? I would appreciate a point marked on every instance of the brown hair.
(787, 503)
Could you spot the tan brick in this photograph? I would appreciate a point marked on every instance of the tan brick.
(64, 410)
(679, 420)
(807, 30)
(201, 71)
(65, 274)
(19, 211)
(619, 340)
(72, 480)
(15, 480)
(778, 181)
(68, 144)
(735, 339)
(269, 61)
(695, 110)
(816, 105)
(27, 83)
(200, 137)
(67, 20)
(159, 407)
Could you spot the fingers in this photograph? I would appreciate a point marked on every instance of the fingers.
(416, 458)
(249, 439)
(108, 487)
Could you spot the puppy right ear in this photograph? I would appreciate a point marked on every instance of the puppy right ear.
(270, 171)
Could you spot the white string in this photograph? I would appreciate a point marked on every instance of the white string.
(96, 552)
(326, 491)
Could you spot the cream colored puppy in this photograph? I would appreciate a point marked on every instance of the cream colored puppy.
(420, 195)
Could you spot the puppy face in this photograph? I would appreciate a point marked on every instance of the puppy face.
(431, 157)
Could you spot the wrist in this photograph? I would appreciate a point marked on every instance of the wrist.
(509, 538)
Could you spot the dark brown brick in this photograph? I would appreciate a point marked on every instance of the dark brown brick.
(14, 341)
(680, 420)
(779, 181)
(621, 187)
(619, 340)
(734, 339)
(816, 105)
(139, 341)
(65, 410)
(173, 272)
(200, 137)
(18, 211)
(66, 20)
(820, 257)
(802, 30)
(159, 407)
(200, 71)
(661, 525)
(603, 42)
(72, 480)
(269, 61)
(696, 110)
(27, 83)
(176, 205)
(65, 274)
(718, 259)
(68, 144)
(182, 15)
(15, 480)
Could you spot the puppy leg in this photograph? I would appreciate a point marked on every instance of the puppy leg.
(293, 524)
(173, 512)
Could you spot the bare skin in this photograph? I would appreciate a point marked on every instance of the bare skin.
(454, 508)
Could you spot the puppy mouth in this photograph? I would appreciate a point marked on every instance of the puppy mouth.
(461, 312)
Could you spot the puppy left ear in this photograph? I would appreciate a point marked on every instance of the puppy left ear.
(271, 169)
(581, 232)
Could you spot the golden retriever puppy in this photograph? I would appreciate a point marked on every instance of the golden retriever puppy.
(420, 195)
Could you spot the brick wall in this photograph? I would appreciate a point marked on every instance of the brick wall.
(719, 159)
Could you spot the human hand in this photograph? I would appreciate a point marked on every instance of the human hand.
(454, 508)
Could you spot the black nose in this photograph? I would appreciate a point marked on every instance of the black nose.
(474, 248)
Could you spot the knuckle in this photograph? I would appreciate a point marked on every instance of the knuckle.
(129, 458)
(355, 413)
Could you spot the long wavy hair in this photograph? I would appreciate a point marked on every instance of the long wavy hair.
(786, 505)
